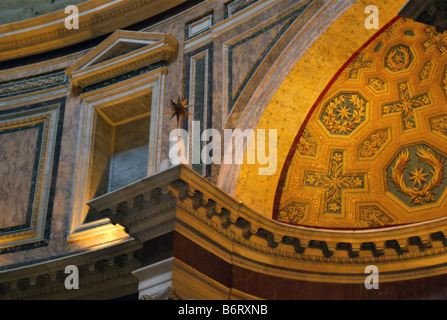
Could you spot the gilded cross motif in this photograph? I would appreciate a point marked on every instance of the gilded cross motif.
(436, 39)
(406, 106)
(357, 64)
(335, 182)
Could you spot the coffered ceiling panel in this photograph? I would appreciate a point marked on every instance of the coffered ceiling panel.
(374, 151)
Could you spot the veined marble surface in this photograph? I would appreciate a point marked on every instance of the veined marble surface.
(17, 155)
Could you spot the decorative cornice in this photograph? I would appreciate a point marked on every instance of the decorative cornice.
(234, 6)
(157, 48)
(124, 77)
(96, 18)
(46, 281)
(204, 212)
(32, 84)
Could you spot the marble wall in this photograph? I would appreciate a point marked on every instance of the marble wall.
(217, 69)
(17, 173)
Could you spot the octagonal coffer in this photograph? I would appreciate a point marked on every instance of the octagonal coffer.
(343, 114)
(416, 176)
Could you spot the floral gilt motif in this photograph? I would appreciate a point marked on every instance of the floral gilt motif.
(292, 213)
(426, 70)
(406, 106)
(307, 145)
(335, 182)
(391, 31)
(32, 83)
(435, 39)
(439, 124)
(357, 64)
(344, 113)
(444, 82)
(377, 85)
(373, 144)
(374, 217)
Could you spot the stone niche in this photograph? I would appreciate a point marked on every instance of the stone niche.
(121, 146)
(120, 85)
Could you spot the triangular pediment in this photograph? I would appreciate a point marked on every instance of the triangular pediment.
(121, 53)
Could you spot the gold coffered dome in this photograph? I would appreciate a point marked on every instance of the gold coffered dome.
(373, 152)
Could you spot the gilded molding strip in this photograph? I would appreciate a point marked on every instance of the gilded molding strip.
(234, 6)
(32, 84)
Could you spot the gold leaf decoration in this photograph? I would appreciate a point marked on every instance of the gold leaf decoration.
(372, 145)
(399, 58)
(373, 217)
(426, 70)
(435, 39)
(426, 190)
(344, 113)
(307, 145)
(377, 85)
(407, 105)
(439, 124)
(335, 182)
(357, 64)
(292, 213)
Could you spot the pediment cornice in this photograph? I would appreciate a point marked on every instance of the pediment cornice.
(121, 53)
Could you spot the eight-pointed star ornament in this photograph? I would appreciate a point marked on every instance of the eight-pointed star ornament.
(178, 109)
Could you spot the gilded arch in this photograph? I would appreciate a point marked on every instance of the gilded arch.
(303, 72)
